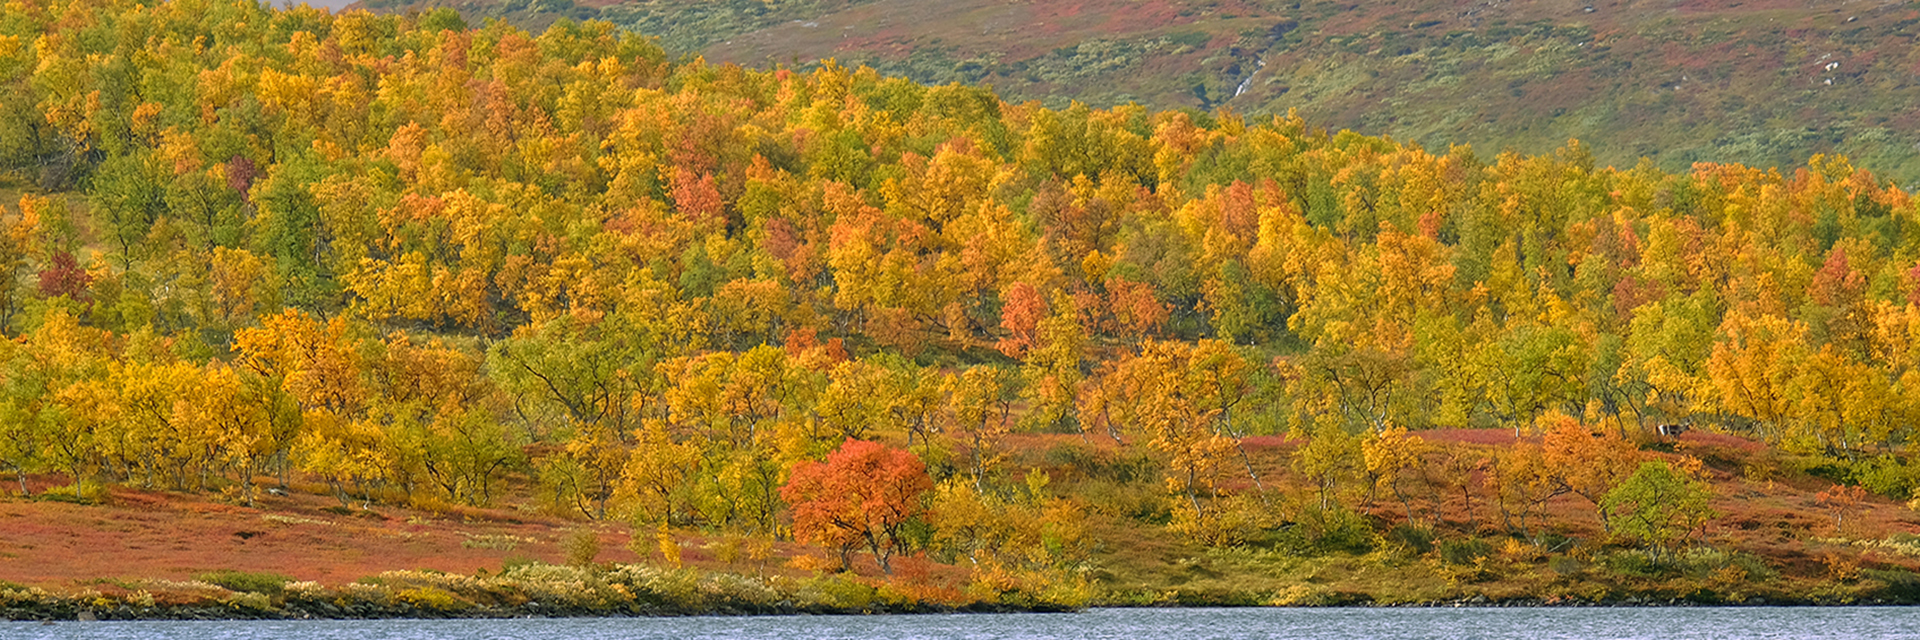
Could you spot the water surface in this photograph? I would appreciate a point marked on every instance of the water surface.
(1810, 623)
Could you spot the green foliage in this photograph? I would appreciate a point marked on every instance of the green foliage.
(583, 547)
(1699, 563)
(1337, 530)
(270, 584)
(1641, 563)
(1565, 566)
(431, 599)
(1899, 583)
(1464, 551)
(842, 590)
(84, 493)
(1659, 505)
(1887, 475)
(1418, 540)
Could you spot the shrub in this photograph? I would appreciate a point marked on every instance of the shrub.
(1701, 562)
(1338, 530)
(1887, 476)
(1418, 540)
(76, 494)
(140, 598)
(360, 592)
(1660, 504)
(249, 601)
(574, 586)
(1230, 521)
(727, 587)
(306, 590)
(28, 596)
(1465, 551)
(1138, 502)
(1081, 459)
(190, 592)
(1900, 583)
(1639, 563)
(840, 591)
(583, 547)
(270, 584)
(672, 587)
(1300, 595)
(431, 598)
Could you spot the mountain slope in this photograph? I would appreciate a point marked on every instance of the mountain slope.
(1766, 82)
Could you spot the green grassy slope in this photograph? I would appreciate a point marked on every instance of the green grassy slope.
(1759, 82)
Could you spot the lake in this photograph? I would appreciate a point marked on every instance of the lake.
(1852, 623)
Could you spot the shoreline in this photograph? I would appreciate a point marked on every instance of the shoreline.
(303, 610)
(62, 612)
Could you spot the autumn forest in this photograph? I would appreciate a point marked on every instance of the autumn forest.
(406, 262)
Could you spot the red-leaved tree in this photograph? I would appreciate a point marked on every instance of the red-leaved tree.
(863, 494)
(65, 277)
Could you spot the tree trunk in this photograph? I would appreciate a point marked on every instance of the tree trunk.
(20, 474)
(1251, 473)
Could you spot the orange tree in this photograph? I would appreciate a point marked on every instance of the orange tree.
(863, 494)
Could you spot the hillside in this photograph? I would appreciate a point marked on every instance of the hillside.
(1763, 83)
(843, 341)
(1774, 541)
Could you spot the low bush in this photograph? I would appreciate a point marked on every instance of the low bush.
(1900, 583)
(1698, 563)
(1565, 566)
(546, 589)
(270, 584)
(1464, 551)
(1638, 563)
(583, 547)
(840, 591)
(1336, 530)
(1887, 476)
(89, 494)
(249, 601)
(432, 598)
(1418, 540)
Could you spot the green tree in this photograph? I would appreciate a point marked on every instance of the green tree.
(1661, 504)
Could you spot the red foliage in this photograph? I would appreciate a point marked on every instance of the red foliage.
(1836, 282)
(806, 340)
(801, 340)
(1020, 316)
(65, 277)
(696, 196)
(860, 496)
(788, 244)
(1088, 306)
(1430, 224)
(782, 238)
(1633, 291)
(240, 175)
(1840, 501)
(1238, 213)
(1135, 307)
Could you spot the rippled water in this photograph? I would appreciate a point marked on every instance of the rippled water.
(1852, 623)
